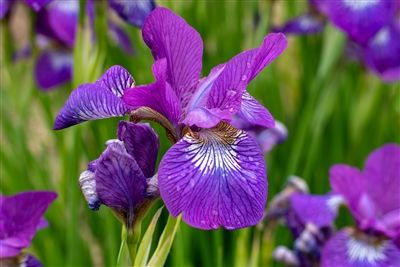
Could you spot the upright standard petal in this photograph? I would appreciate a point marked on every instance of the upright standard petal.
(382, 53)
(53, 68)
(63, 19)
(253, 112)
(158, 96)
(348, 182)
(89, 102)
(361, 19)
(117, 80)
(142, 143)
(215, 177)
(352, 248)
(133, 12)
(21, 215)
(120, 183)
(382, 176)
(169, 36)
(308, 23)
(37, 4)
(319, 210)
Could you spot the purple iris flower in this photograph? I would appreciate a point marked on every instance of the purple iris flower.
(361, 20)
(373, 198)
(123, 177)
(214, 173)
(20, 218)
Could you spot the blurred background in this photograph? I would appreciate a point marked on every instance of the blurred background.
(335, 111)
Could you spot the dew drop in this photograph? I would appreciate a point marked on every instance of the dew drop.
(178, 188)
(203, 222)
(192, 183)
(229, 227)
(214, 212)
(250, 158)
(237, 212)
(169, 177)
(257, 163)
(151, 37)
(244, 77)
(248, 65)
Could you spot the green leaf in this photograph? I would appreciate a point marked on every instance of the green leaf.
(145, 244)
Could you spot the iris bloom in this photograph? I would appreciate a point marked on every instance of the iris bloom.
(121, 177)
(20, 218)
(373, 198)
(214, 173)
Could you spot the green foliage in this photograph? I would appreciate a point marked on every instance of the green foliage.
(335, 111)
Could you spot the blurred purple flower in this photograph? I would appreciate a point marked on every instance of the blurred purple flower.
(119, 178)
(21, 216)
(373, 198)
(214, 174)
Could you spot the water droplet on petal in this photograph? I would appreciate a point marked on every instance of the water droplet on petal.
(203, 222)
(214, 212)
(250, 158)
(248, 64)
(178, 188)
(192, 183)
(151, 37)
(244, 77)
(237, 212)
(169, 177)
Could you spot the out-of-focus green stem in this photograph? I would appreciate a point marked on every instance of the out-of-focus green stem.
(132, 240)
(121, 253)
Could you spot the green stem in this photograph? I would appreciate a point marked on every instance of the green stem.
(121, 254)
(133, 240)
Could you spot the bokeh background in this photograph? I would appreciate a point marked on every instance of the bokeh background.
(335, 112)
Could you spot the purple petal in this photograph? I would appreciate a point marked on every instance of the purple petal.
(158, 96)
(361, 19)
(121, 38)
(269, 138)
(320, 5)
(4, 7)
(352, 248)
(253, 112)
(133, 12)
(382, 53)
(348, 182)
(63, 19)
(89, 102)
(37, 4)
(120, 183)
(206, 118)
(228, 88)
(117, 80)
(381, 173)
(319, 210)
(307, 23)
(53, 68)
(87, 183)
(22, 215)
(169, 36)
(142, 143)
(215, 177)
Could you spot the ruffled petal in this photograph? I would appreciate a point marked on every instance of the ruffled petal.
(206, 118)
(141, 142)
(120, 183)
(117, 80)
(63, 19)
(381, 173)
(228, 88)
(133, 12)
(352, 248)
(305, 24)
(158, 96)
(215, 177)
(269, 138)
(252, 111)
(361, 19)
(382, 53)
(348, 182)
(89, 102)
(169, 36)
(319, 210)
(53, 68)
(37, 4)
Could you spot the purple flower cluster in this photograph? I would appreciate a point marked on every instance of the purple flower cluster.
(372, 26)
(56, 27)
(214, 173)
(20, 218)
(373, 198)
